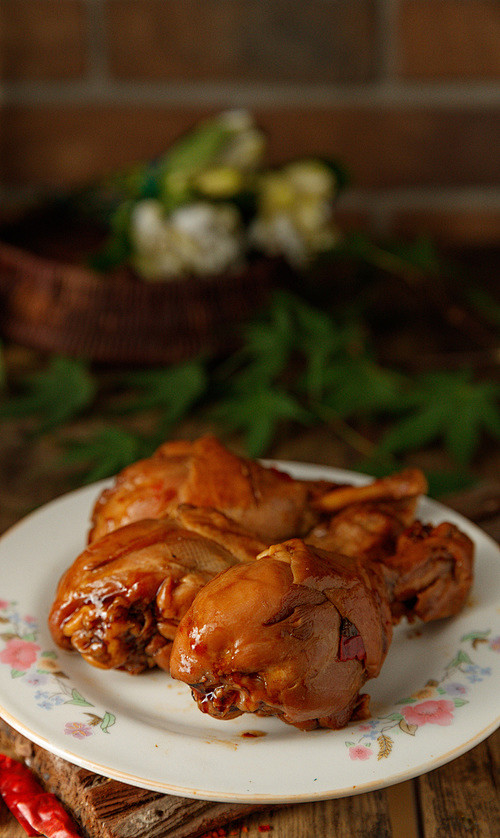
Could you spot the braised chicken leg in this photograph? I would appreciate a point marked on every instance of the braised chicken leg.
(294, 634)
(299, 631)
(121, 600)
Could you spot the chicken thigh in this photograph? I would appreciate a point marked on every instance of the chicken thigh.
(268, 503)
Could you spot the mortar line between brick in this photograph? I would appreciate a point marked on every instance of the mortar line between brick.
(388, 38)
(99, 91)
(96, 43)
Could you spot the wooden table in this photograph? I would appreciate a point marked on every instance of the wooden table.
(459, 799)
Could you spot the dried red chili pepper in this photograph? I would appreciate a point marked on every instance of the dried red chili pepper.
(38, 811)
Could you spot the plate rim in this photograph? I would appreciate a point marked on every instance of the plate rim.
(244, 797)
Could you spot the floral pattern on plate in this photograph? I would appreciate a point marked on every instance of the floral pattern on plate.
(435, 703)
(41, 670)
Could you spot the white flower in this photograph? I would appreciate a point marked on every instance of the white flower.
(198, 238)
(210, 239)
(295, 217)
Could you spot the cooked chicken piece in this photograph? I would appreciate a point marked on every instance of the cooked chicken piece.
(430, 574)
(364, 530)
(268, 503)
(299, 631)
(121, 600)
(294, 634)
(405, 484)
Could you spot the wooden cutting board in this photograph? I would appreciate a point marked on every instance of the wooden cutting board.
(110, 809)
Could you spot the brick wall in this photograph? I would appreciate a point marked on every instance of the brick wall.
(405, 92)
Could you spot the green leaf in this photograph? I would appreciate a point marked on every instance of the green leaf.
(476, 635)
(78, 699)
(442, 483)
(56, 394)
(17, 673)
(117, 247)
(460, 657)
(173, 389)
(459, 702)
(269, 342)
(108, 720)
(360, 387)
(415, 431)
(257, 414)
(104, 454)
(450, 407)
(198, 148)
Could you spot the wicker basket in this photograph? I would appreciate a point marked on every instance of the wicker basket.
(118, 319)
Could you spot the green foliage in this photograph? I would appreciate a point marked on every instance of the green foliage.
(446, 406)
(173, 390)
(258, 413)
(53, 396)
(359, 387)
(105, 453)
(297, 365)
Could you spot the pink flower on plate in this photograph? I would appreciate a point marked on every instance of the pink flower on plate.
(78, 729)
(360, 752)
(3, 604)
(429, 712)
(19, 654)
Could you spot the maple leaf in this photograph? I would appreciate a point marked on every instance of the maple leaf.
(291, 330)
(53, 395)
(268, 344)
(322, 342)
(172, 389)
(105, 453)
(447, 406)
(257, 414)
(359, 386)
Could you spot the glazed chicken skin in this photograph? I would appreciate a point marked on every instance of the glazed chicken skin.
(299, 631)
(401, 486)
(430, 574)
(121, 600)
(294, 634)
(268, 503)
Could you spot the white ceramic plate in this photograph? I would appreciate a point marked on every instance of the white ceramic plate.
(437, 695)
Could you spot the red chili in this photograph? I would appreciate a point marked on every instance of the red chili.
(38, 811)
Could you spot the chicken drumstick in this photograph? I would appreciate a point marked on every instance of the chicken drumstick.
(299, 631)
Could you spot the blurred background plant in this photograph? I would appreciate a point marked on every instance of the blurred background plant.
(360, 339)
(209, 202)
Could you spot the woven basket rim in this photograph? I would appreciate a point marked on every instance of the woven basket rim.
(70, 308)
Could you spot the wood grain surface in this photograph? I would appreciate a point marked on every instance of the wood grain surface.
(459, 799)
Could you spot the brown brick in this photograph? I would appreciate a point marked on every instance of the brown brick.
(392, 147)
(43, 39)
(245, 40)
(471, 227)
(382, 147)
(450, 39)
